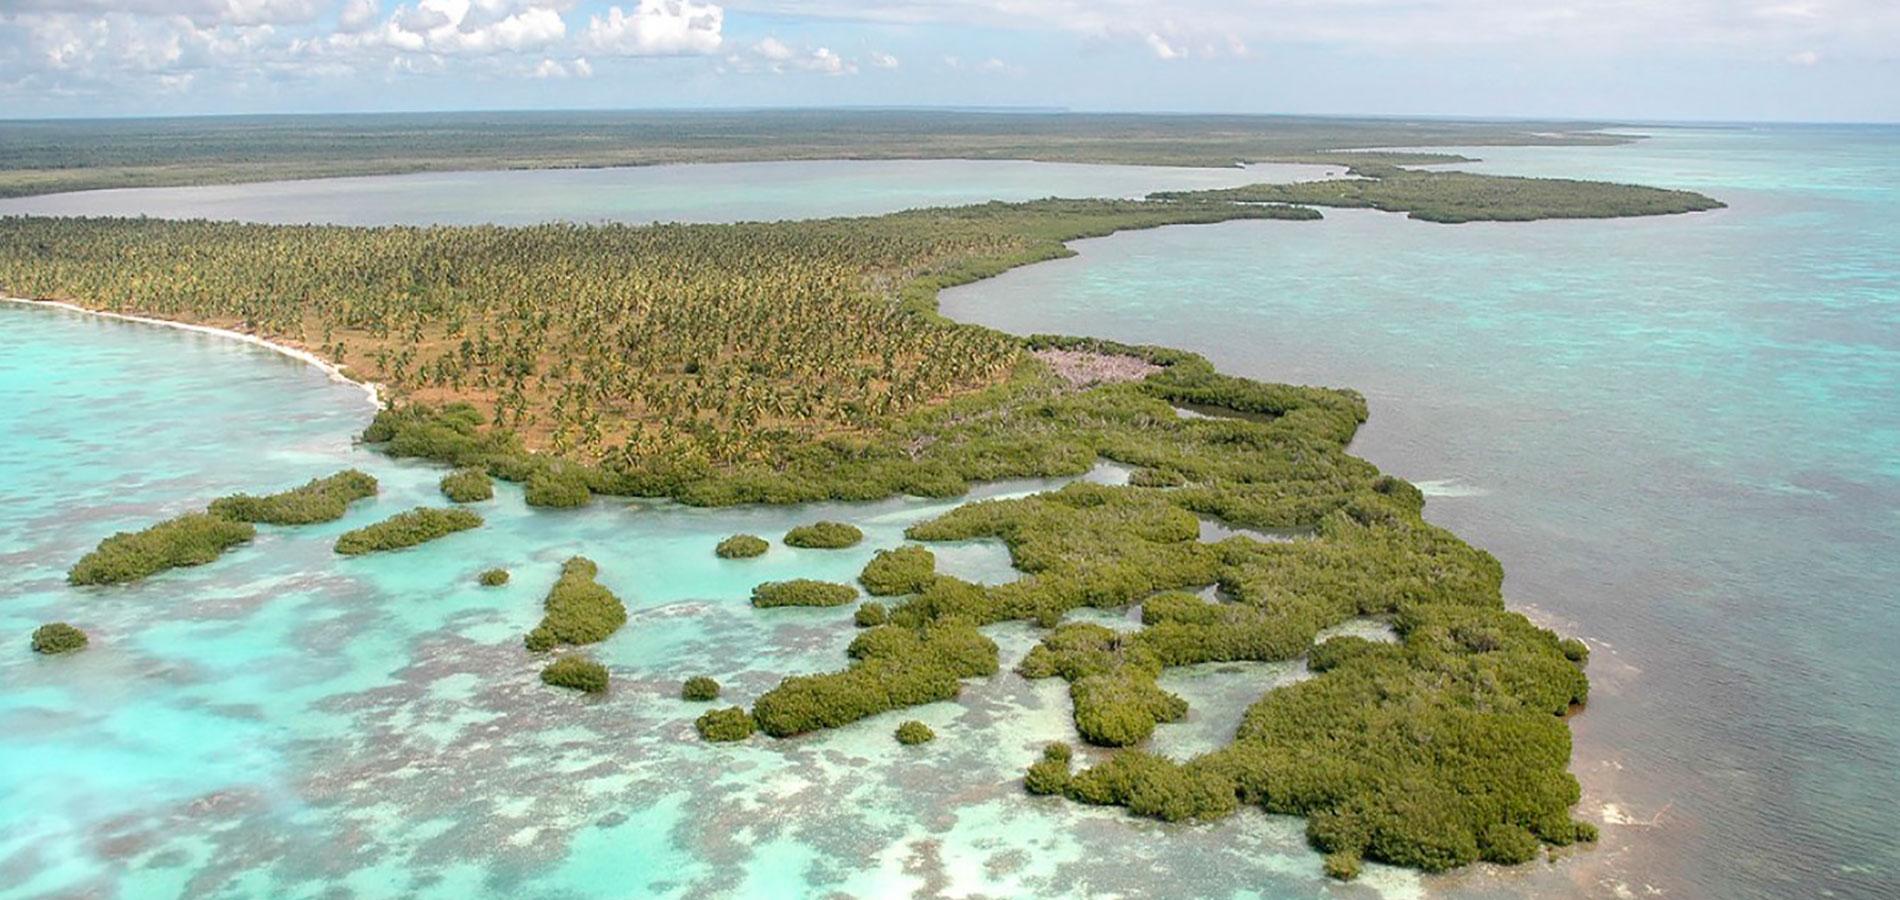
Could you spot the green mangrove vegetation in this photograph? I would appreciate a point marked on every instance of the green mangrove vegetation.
(915, 732)
(824, 536)
(192, 539)
(57, 637)
(741, 546)
(905, 570)
(579, 610)
(406, 529)
(699, 688)
(319, 500)
(732, 723)
(576, 672)
(468, 485)
(493, 577)
(802, 592)
(804, 361)
(1457, 197)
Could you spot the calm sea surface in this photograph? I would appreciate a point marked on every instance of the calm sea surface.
(1679, 434)
(720, 192)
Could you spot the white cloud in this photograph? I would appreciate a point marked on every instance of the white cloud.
(1805, 58)
(658, 28)
(358, 15)
(883, 60)
(576, 68)
(1162, 49)
(773, 49)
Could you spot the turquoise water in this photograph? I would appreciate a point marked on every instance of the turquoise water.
(284, 722)
(722, 192)
(1681, 435)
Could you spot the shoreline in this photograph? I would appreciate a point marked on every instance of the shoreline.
(334, 372)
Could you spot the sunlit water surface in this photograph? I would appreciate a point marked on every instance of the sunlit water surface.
(718, 192)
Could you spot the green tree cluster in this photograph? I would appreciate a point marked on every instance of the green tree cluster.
(57, 637)
(824, 536)
(578, 673)
(468, 485)
(741, 546)
(802, 592)
(320, 500)
(406, 529)
(579, 609)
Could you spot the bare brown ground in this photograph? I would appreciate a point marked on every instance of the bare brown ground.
(1081, 368)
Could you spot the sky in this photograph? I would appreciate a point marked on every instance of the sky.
(1728, 60)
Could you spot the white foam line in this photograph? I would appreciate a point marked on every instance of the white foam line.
(370, 389)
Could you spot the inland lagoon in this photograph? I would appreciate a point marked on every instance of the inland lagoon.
(1675, 432)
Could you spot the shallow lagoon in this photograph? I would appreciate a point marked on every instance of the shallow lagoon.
(287, 722)
(716, 192)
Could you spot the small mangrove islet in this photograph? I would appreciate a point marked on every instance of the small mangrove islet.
(406, 529)
(320, 500)
(579, 609)
(797, 362)
(55, 638)
(576, 672)
(741, 546)
(824, 536)
(802, 592)
(699, 688)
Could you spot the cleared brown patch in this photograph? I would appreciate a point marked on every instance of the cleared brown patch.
(1081, 368)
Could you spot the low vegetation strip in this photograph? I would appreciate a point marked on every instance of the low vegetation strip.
(580, 610)
(320, 500)
(802, 592)
(406, 529)
(1458, 197)
(188, 540)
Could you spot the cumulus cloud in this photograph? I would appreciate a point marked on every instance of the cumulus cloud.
(773, 55)
(883, 60)
(575, 68)
(358, 15)
(658, 28)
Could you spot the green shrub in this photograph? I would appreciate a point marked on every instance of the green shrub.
(1050, 774)
(57, 637)
(824, 536)
(802, 592)
(579, 610)
(699, 688)
(562, 489)
(870, 615)
(320, 500)
(468, 486)
(729, 724)
(741, 546)
(1575, 650)
(192, 539)
(417, 526)
(894, 667)
(576, 672)
(1343, 865)
(1158, 478)
(906, 570)
(915, 732)
(494, 578)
